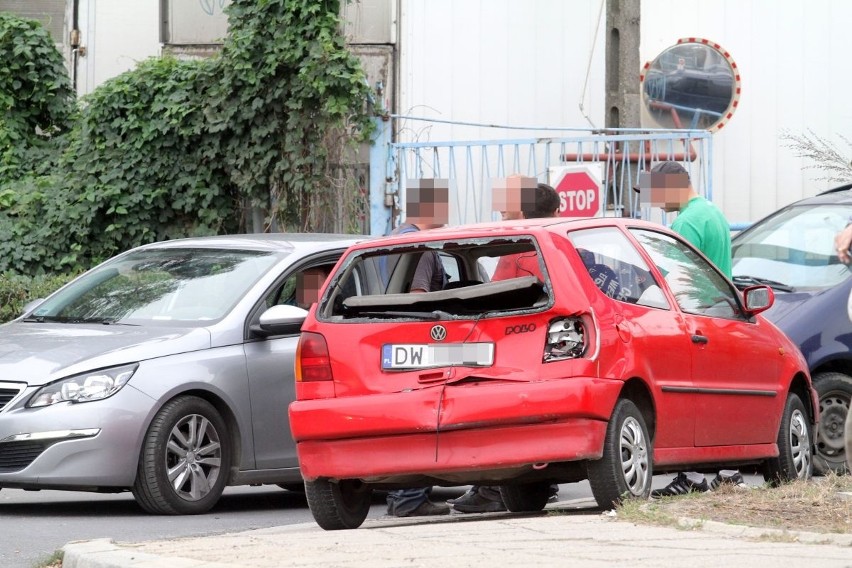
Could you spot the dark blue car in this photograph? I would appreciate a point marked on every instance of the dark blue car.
(792, 250)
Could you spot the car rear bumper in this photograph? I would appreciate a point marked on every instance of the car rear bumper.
(451, 428)
(452, 452)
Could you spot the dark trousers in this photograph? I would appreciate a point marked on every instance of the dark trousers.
(404, 501)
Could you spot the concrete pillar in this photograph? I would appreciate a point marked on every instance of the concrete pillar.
(622, 63)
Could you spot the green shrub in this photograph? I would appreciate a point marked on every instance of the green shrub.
(36, 100)
(186, 148)
(17, 290)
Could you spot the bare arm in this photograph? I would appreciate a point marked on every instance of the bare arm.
(842, 242)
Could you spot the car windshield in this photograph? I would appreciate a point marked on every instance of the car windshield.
(158, 286)
(794, 248)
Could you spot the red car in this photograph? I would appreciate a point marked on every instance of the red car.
(600, 349)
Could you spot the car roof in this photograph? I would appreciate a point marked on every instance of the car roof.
(273, 242)
(840, 194)
(523, 226)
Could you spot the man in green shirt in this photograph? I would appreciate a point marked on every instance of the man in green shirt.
(699, 221)
(702, 224)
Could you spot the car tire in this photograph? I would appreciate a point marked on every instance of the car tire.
(849, 441)
(626, 467)
(338, 506)
(795, 458)
(525, 497)
(181, 472)
(835, 400)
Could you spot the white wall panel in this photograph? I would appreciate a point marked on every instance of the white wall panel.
(507, 62)
(792, 56)
(524, 63)
(117, 36)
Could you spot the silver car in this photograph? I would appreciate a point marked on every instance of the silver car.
(165, 371)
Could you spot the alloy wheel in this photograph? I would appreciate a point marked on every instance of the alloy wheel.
(634, 456)
(193, 457)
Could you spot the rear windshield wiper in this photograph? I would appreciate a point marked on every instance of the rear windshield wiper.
(752, 280)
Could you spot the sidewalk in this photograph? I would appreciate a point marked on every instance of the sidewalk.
(562, 535)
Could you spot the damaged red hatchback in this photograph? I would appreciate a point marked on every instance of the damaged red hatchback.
(556, 351)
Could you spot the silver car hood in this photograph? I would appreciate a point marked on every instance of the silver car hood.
(38, 353)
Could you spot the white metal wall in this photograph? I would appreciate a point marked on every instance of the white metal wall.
(793, 56)
(515, 62)
(524, 62)
(117, 36)
(527, 62)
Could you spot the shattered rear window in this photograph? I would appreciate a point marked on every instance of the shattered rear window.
(469, 278)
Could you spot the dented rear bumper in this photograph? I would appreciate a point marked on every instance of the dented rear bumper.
(452, 428)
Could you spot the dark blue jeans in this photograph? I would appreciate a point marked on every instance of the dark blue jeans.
(404, 501)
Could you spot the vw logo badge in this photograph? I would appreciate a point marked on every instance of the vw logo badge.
(438, 332)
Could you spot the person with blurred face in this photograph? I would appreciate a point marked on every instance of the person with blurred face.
(699, 221)
(308, 285)
(427, 207)
(842, 243)
(516, 198)
(532, 200)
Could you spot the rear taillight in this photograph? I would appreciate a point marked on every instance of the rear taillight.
(312, 360)
(567, 338)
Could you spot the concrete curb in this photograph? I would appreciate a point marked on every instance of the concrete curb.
(760, 533)
(104, 553)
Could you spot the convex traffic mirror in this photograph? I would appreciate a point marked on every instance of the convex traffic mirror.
(694, 84)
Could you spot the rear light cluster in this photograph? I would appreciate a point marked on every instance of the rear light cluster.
(312, 360)
(567, 338)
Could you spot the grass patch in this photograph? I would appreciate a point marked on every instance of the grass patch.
(52, 561)
(813, 506)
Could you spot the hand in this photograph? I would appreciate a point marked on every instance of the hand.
(842, 242)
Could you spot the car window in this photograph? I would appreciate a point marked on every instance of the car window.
(300, 288)
(482, 277)
(794, 247)
(162, 285)
(451, 267)
(697, 286)
(616, 267)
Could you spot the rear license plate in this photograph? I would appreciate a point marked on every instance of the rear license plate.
(423, 356)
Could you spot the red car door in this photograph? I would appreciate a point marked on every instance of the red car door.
(656, 345)
(734, 369)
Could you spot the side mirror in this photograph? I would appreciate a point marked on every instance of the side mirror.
(280, 320)
(758, 299)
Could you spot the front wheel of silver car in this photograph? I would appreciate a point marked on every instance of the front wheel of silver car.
(625, 468)
(185, 459)
(795, 457)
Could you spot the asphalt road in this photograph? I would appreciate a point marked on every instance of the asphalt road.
(37, 523)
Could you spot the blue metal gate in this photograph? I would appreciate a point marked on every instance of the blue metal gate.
(615, 156)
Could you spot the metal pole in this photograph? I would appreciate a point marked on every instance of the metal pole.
(380, 213)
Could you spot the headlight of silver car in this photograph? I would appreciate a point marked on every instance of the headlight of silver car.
(85, 387)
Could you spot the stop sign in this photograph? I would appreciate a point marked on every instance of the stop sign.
(579, 193)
